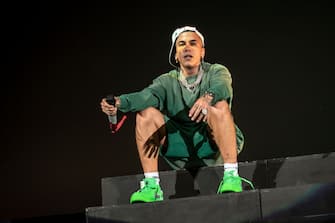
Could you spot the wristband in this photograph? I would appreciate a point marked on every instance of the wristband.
(209, 96)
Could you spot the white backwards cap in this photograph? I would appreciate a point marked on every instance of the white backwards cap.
(175, 35)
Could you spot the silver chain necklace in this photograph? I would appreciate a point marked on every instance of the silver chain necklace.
(191, 87)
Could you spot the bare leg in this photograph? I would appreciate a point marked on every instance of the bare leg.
(221, 122)
(150, 134)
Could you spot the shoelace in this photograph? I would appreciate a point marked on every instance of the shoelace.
(248, 182)
(144, 185)
(243, 179)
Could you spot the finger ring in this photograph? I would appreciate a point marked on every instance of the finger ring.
(204, 111)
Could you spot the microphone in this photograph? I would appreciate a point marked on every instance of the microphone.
(112, 118)
(114, 124)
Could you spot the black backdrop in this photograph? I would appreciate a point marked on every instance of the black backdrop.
(60, 60)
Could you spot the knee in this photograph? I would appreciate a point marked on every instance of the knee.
(220, 111)
(147, 116)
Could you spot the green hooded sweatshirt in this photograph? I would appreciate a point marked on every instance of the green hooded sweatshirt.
(186, 138)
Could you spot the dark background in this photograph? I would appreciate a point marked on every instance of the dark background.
(61, 59)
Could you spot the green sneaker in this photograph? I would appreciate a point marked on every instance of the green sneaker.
(232, 183)
(149, 191)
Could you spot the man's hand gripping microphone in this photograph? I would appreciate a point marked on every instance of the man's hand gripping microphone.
(114, 125)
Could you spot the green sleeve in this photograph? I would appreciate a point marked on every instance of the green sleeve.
(221, 84)
(151, 96)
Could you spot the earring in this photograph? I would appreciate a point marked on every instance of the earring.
(176, 60)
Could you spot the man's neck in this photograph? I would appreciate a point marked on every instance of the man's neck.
(190, 71)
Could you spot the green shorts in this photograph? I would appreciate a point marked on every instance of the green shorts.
(190, 145)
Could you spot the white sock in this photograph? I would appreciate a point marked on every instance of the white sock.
(231, 167)
(152, 175)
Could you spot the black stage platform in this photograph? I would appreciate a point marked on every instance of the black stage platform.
(291, 189)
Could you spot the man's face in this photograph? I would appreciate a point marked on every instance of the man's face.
(189, 50)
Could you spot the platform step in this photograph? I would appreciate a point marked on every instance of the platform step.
(291, 189)
(271, 173)
(310, 202)
(303, 203)
(211, 208)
